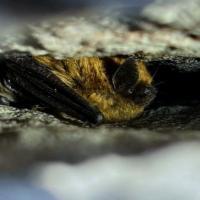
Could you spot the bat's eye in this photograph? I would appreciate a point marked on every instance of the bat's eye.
(126, 77)
(131, 91)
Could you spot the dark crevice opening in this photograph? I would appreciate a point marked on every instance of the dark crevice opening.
(177, 83)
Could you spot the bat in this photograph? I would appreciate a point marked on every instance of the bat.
(91, 89)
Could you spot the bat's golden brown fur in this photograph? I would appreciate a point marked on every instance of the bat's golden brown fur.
(88, 76)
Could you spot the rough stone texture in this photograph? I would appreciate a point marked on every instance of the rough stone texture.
(114, 33)
(30, 135)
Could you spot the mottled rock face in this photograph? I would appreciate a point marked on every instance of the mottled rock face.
(172, 53)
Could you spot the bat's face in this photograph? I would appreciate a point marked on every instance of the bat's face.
(132, 80)
(79, 87)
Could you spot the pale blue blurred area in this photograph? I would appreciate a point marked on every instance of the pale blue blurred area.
(44, 7)
(19, 189)
(171, 173)
(16, 14)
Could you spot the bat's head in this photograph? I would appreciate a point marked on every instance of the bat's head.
(132, 80)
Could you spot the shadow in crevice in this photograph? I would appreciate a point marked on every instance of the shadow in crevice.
(177, 80)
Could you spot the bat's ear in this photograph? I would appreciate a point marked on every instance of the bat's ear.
(126, 77)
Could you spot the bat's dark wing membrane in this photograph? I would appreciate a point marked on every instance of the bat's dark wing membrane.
(28, 77)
